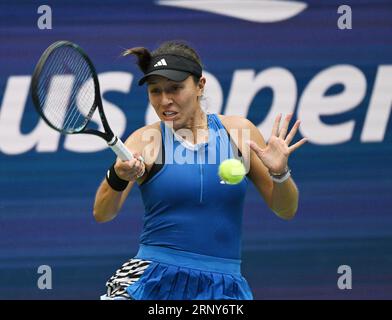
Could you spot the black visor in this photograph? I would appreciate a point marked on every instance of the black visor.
(173, 67)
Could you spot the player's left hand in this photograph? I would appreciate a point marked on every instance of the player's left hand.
(276, 154)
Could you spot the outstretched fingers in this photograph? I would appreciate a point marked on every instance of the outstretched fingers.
(285, 126)
(292, 132)
(275, 128)
(298, 144)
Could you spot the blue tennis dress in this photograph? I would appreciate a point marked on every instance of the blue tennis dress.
(190, 246)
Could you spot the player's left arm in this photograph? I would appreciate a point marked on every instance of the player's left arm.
(281, 198)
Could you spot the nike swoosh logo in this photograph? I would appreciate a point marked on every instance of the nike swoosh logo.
(262, 11)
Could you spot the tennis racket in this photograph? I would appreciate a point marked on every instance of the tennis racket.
(65, 92)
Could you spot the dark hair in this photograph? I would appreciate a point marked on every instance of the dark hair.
(177, 47)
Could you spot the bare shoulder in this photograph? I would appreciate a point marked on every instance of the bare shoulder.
(235, 122)
(245, 128)
(143, 134)
(146, 141)
(239, 129)
(138, 134)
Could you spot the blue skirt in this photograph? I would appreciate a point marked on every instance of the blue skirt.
(159, 273)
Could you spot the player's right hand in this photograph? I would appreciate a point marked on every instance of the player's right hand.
(130, 170)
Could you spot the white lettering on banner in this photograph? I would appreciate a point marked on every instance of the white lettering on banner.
(12, 141)
(379, 111)
(246, 85)
(108, 81)
(261, 11)
(314, 103)
(212, 104)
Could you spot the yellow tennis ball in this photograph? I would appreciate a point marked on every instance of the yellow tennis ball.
(232, 171)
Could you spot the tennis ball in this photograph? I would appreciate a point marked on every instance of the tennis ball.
(232, 171)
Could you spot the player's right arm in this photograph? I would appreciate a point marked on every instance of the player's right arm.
(108, 201)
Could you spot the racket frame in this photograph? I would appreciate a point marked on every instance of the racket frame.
(113, 141)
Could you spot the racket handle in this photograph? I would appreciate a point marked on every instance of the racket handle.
(120, 149)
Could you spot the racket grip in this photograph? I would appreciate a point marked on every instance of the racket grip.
(120, 149)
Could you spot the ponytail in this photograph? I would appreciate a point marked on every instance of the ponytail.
(143, 56)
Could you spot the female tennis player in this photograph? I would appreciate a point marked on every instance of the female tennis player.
(190, 246)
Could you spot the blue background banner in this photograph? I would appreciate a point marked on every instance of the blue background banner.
(258, 62)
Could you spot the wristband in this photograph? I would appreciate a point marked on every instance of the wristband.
(114, 181)
(280, 178)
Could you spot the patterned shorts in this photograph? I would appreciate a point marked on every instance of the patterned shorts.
(160, 273)
(128, 274)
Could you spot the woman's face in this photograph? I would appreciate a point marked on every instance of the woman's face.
(175, 101)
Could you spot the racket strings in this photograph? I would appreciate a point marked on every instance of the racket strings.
(74, 114)
(72, 111)
(62, 103)
(66, 89)
(55, 102)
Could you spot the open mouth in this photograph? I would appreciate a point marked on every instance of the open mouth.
(169, 115)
